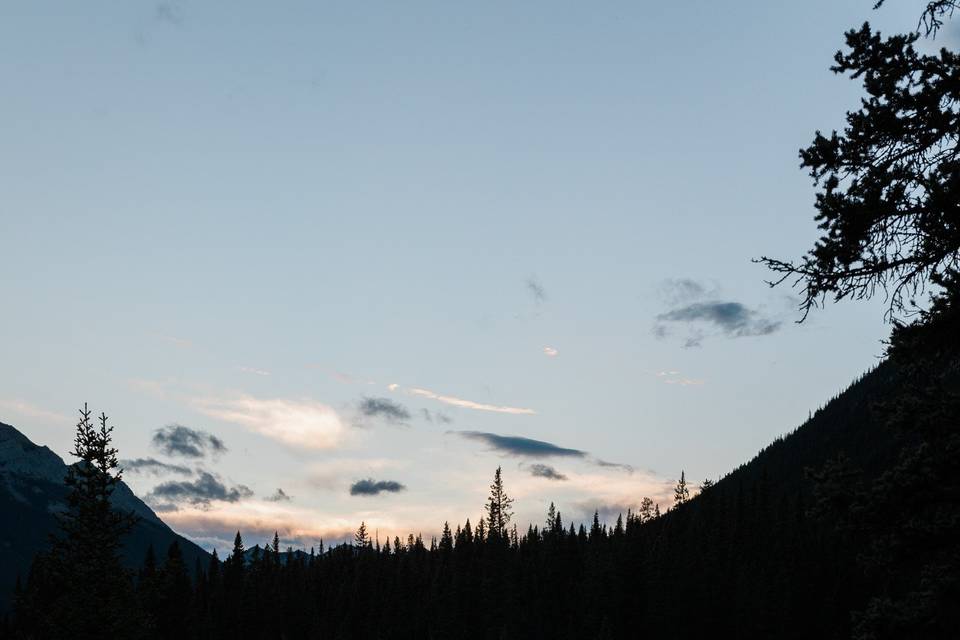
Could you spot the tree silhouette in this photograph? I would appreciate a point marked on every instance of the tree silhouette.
(81, 587)
(681, 493)
(361, 538)
(933, 14)
(889, 196)
(498, 508)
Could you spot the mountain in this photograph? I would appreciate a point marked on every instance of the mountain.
(32, 491)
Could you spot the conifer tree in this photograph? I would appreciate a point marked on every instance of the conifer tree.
(88, 593)
(498, 507)
(233, 569)
(646, 509)
(681, 493)
(361, 538)
(174, 595)
(213, 569)
(595, 527)
(446, 539)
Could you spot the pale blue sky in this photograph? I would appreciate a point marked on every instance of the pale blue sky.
(196, 194)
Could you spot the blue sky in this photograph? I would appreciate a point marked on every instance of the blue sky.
(248, 218)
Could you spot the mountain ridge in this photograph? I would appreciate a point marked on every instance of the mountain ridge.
(32, 492)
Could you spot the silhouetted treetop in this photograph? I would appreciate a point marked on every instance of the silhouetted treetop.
(888, 200)
(933, 15)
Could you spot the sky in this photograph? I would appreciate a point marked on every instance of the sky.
(324, 263)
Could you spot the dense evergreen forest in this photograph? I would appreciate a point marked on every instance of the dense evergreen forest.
(848, 527)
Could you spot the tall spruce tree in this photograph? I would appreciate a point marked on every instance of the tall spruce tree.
(362, 538)
(80, 589)
(499, 508)
(681, 493)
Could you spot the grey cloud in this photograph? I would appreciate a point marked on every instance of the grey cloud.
(677, 290)
(732, 319)
(178, 440)
(546, 471)
(279, 496)
(153, 466)
(518, 446)
(529, 448)
(437, 415)
(170, 13)
(536, 290)
(371, 487)
(391, 411)
(613, 465)
(200, 492)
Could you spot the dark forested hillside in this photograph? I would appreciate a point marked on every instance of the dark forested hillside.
(845, 528)
(32, 492)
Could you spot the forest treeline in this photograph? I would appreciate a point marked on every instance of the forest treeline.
(847, 528)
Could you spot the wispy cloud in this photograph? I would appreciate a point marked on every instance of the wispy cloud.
(371, 487)
(385, 408)
(156, 388)
(153, 466)
(732, 318)
(279, 496)
(699, 312)
(613, 465)
(178, 440)
(550, 352)
(28, 410)
(439, 416)
(465, 404)
(529, 448)
(169, 13)
(684, 382)
(519, 446)
(175, 341)
(546, 471)
(207, 488)
(255, 371)
(676, 291)
(674, 377)
(302, 422)
(346, 378)
(535, 290)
